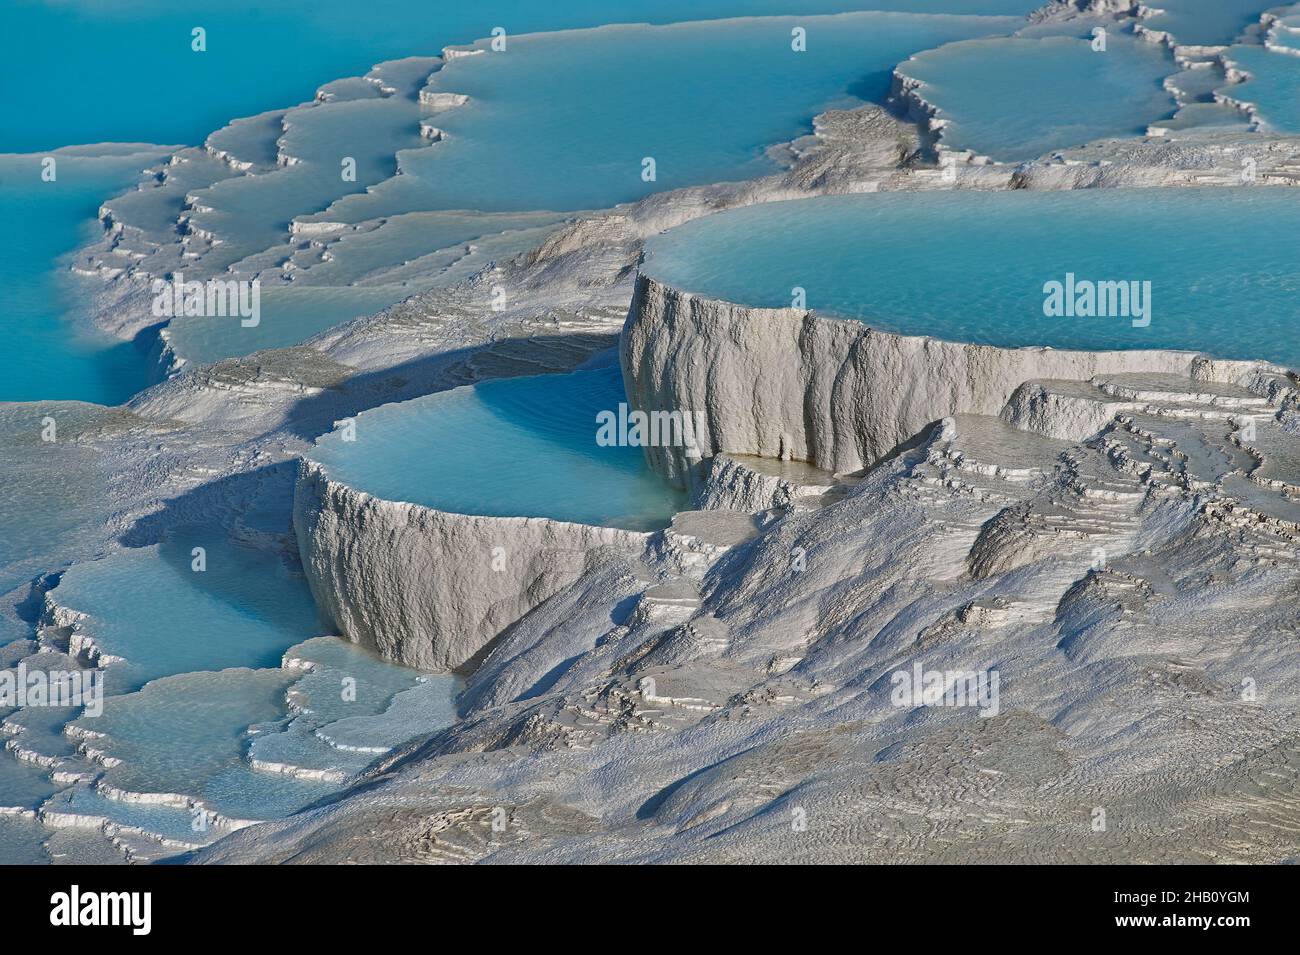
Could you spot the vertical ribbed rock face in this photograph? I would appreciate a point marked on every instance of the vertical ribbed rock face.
(780, 382)
(425, 587)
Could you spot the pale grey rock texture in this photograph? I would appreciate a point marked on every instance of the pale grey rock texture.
(760, 484)
(426, 587)
(1135, 590)
(786, 383)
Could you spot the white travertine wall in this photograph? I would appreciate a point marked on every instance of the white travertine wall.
(838, 394)
(420, 585)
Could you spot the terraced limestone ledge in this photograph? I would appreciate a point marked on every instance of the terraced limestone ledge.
(835, 393)
(431, 589)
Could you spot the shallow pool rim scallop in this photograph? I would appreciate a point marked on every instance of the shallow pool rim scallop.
(429, 586)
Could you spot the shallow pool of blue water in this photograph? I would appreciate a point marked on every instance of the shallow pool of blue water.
(1273, 87)
(1206, 22)
(518, 447)
(1018, 98)
(558, 121)
(151, 607)
(186, 735)
(260, 56)
(973, 267)
(568, 120)
(48, 352)
(220, 693)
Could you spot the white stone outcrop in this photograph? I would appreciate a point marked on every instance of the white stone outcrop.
(425, 587)
(742, 485)
(838, 394)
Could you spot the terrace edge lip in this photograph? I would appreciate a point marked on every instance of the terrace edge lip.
(985, 285)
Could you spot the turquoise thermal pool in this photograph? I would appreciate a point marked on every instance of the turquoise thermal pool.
(973, 266)
(191, 93)
(151, 608)
(1017, 98)
(563, 121)
(48, 354)
(1273, 87)
(518, 447)
(217, 690)
(1206, 22)
(560, 121)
